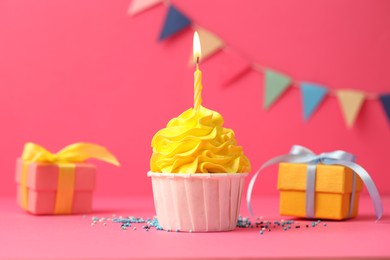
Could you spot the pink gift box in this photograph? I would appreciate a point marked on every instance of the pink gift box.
(42, 186)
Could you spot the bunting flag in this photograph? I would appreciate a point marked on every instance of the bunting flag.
(175, 22)
(312, 95)
(210, 44)
(385, 100)
(351, 102)
(138, 6)
(275, 84)
(234, 66)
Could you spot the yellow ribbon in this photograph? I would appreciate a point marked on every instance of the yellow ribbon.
(65, 159)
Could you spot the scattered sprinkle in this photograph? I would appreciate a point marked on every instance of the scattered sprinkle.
(242, 222)
(269, 225)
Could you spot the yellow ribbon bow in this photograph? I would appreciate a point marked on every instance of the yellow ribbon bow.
(74, 153)
(66, 159)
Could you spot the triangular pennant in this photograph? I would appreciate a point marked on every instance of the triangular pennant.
(175, 21)
(234, 66)
(312, 95)
(385, 100)
(351, 101)
(210, 44)
(138, 6)
(275, 84)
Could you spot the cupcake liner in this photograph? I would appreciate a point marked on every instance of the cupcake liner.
(197, 202)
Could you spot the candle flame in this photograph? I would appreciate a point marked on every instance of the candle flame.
(196, 48)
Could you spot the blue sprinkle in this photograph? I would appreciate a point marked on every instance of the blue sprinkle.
(261, 232)
(177, 230)
(325, 225)
(122, 220)
(285, 229)
(243, 222)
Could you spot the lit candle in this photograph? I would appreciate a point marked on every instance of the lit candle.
(198, 74)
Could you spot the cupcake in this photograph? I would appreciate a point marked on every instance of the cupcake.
(197, 173)
(197, 169)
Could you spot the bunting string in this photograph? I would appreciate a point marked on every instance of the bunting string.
(275, 83)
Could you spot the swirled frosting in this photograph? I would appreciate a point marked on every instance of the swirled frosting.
(197, 142)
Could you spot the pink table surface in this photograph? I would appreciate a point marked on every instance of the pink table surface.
(23, 236)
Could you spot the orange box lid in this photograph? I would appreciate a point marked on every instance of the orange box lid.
(329, 178)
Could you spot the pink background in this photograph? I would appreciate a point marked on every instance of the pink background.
(85, 71)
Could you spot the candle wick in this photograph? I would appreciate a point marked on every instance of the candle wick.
(197, 60)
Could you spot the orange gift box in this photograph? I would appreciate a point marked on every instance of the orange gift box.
(60, 183)
(333, 190)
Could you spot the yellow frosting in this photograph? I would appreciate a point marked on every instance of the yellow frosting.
(197, 142)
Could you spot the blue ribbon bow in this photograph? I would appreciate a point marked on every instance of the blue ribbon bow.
(300, 154)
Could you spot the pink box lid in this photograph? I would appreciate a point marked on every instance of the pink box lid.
(44, 176)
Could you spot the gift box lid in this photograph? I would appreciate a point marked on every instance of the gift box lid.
(329, 178)
(44, 176)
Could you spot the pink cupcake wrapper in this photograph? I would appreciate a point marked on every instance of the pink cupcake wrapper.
(197, 202)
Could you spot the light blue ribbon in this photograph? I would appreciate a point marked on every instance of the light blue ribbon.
(300, 154)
